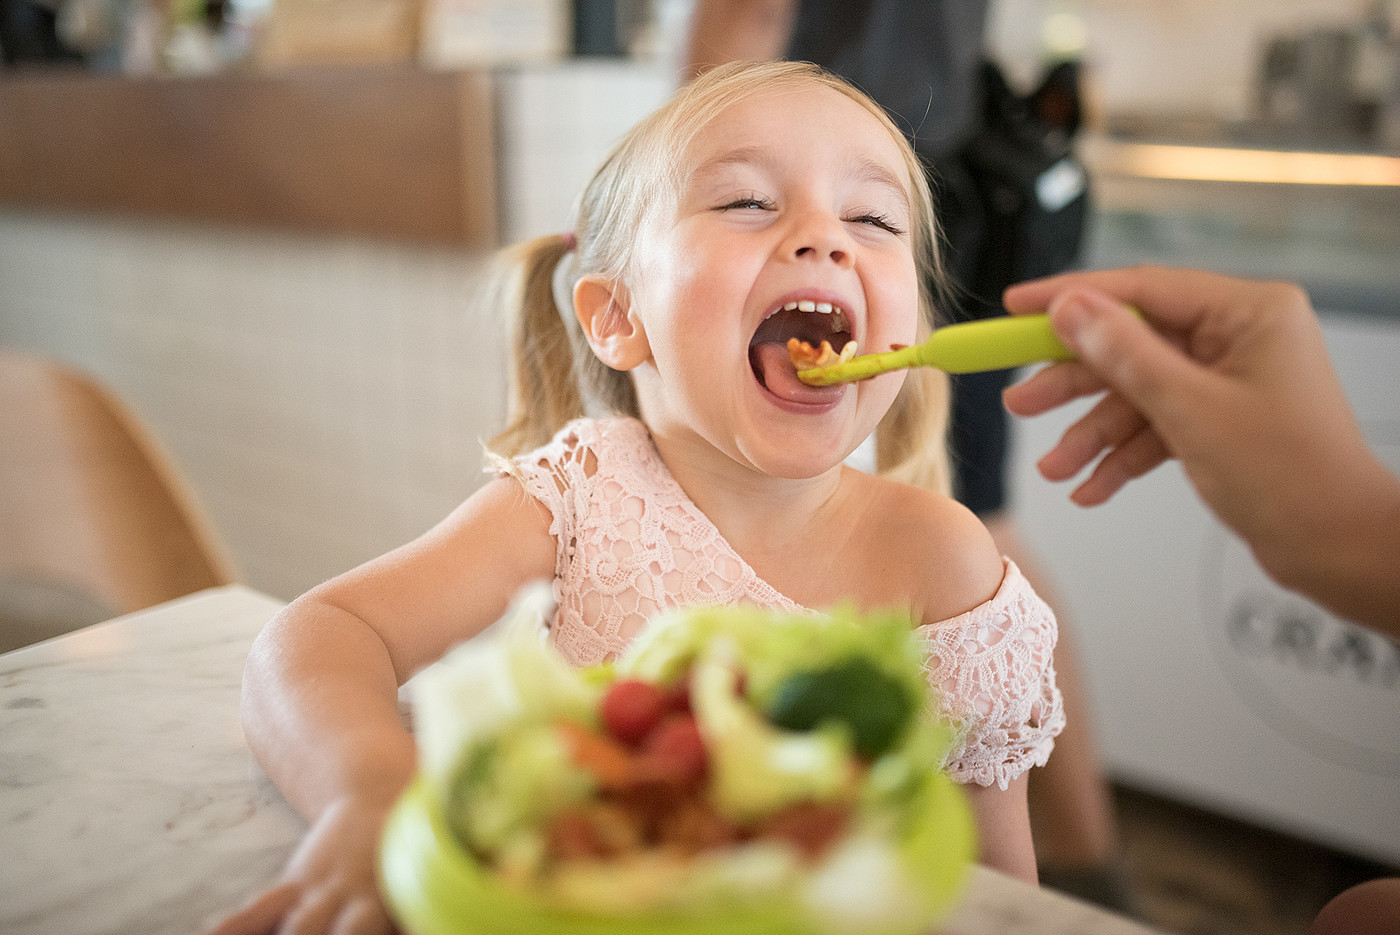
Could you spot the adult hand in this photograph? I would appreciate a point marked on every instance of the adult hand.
(330, 883)
(1232, 378)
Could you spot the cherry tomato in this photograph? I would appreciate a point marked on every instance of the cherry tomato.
(675, 751)
(631, 709)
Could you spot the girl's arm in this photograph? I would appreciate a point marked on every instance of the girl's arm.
(1004, 827)
(320, 692)
(962, 569)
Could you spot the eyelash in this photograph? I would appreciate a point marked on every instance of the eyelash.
(752, 201)
(881, 221)
(763, 204)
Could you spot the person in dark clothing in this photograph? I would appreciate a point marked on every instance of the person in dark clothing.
(921, 61)
(924, 61)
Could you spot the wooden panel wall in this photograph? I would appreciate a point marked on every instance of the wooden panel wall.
(385, 151)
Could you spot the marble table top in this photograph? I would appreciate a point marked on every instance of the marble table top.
(129, 801)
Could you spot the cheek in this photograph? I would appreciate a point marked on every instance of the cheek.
(898, 292)
(667, 270)
(682, 299)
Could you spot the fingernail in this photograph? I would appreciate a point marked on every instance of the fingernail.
(1079, 321)
(1070, 315)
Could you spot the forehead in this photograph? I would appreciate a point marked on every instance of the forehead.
(814, 121)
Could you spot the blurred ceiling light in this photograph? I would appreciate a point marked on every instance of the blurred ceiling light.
(1064, 34)
(1202, 163)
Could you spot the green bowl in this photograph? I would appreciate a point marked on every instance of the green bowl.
(433, 886)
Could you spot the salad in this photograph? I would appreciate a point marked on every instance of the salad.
(736, 770)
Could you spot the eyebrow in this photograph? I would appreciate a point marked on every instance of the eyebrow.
(741, 156)
(865, 168)
(872, 171)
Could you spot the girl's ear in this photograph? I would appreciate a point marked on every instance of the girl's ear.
(603, 307)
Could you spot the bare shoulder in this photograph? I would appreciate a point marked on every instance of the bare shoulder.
(937, 550)
(504, 496)
(501, 514)
(453, 580)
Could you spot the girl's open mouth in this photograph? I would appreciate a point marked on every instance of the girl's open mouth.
(807, 321)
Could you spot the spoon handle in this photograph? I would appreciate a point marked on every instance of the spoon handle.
(968, 347)
(992, 344)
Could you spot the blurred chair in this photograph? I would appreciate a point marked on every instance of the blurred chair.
(94, 519)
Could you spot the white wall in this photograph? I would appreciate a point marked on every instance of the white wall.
(557, 126)
(325, 397)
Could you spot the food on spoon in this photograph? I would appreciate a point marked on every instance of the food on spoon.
(736, 769)
(806, 357)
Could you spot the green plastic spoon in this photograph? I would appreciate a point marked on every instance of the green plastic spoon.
(968, 347)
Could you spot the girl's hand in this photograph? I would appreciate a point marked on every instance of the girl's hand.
(329, 885)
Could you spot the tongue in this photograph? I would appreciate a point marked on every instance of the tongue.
(775, 370)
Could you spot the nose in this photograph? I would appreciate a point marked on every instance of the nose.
(821, 236)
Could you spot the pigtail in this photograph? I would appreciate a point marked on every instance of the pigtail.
(911, 441)
(543, 393)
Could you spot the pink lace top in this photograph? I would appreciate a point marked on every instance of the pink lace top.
(631, 544)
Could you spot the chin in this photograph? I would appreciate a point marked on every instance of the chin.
(798, 453)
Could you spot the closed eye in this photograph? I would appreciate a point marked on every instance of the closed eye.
(748, 201)
(878, 220)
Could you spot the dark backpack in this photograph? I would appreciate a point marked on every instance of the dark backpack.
(1033, 188)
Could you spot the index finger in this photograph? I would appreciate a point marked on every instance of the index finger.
(1180, 299)
(263, 915)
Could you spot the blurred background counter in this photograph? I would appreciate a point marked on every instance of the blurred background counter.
(421, 156)
(1326, 218)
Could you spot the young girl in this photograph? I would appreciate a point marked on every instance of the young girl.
(762, 203)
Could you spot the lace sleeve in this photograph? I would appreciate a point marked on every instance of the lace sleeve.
(993, 672)
(557, 476)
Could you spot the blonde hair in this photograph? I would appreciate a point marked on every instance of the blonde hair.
(554, 375)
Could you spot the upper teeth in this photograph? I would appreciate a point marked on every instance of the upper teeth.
(806, 305)
(838, 317)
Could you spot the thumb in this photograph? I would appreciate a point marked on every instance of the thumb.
(1123, 350)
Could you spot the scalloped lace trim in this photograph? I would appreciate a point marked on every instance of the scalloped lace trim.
(994, 674)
